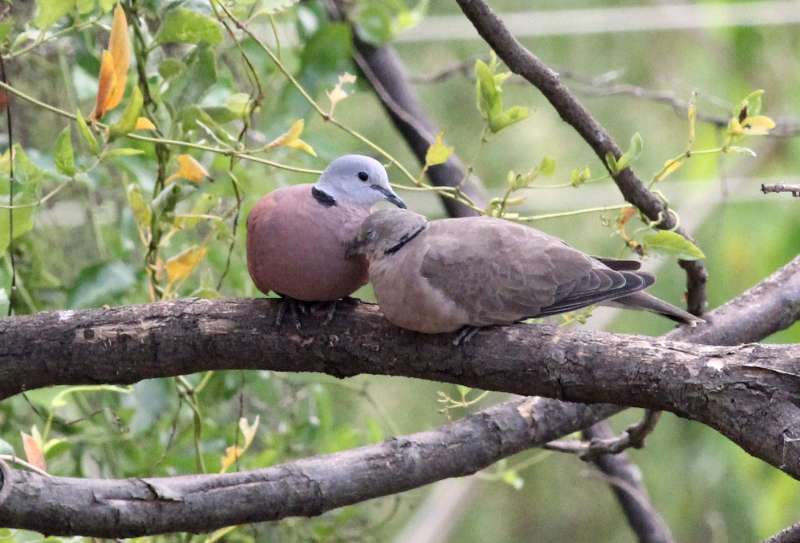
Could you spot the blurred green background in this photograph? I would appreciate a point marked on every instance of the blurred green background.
(83, 249)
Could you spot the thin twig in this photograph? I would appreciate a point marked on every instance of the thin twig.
(777, 187)
(633, 436)
(12, 181)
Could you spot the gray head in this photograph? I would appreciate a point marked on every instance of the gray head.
(385, 232)
(359, 180)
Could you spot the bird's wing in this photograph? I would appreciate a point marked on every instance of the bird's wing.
(501, 272)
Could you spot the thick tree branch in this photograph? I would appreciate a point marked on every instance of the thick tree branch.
(145, 338)
(521, 61)
(308, 487)
(745, 391)
(790, 534)
(793, 189)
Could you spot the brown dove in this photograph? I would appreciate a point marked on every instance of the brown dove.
(297, 236)
(445, 275)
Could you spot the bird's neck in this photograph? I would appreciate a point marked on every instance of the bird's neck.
(323, 198)
(405, 240)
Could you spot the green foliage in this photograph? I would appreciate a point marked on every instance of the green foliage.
(673, 244)
(50, 11)
(181, 25)
(490, 100)
(63, 154)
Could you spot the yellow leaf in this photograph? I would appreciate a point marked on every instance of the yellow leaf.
(757, 125)
(670, 166)
(143, 123)
(291, 138)
(692, 114)
(232, 454)
(105, 86)
(33, 451)
(438, 152)
(180, 266)
(249, 430)
(337, 94)
(625, 215)
(189, 169)
(119, 45)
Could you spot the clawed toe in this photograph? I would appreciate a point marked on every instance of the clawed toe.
(465, 335)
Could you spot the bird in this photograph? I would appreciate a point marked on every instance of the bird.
(462, 274)
(297, 236)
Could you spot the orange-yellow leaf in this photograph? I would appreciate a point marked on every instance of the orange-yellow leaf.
(249, 430)
(119, 45)
(180, 266)
(33, 451)
(232, 454)
(143, 123)
(757, 125)
(670, 166)
(291, 138)
(625, 215)
(105, 86)
(190, 169)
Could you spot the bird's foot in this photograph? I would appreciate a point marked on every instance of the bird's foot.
(296, 308)
(464, 335)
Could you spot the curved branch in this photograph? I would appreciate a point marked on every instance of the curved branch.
(521, 61)
(308, 487)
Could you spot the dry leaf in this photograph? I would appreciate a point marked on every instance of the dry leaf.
(291, 138)
(119, 45)
(105, 86)
(337, 94)
(143, 123)
(234, 452)
(33, 451)
(189, 169)
(670, 166)
(757, 125)
(180, 266)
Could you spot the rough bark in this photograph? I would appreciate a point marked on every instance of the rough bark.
(308, 487)
(746, 392)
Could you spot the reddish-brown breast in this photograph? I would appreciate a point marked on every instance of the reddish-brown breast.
(296, 246)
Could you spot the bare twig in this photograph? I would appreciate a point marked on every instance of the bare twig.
(600, 445)
(521, 61)
(793, 189)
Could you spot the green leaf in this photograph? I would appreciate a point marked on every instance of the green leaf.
(672, 243)
(63, 154)
(170, 67)
(141, 211)
(611, 162)
(631, 154)
(85, 6)
(489, 97)
(6, 448)
(123, 151)
(60, 399)
(50, 11)
(127, 123)
(190, 85)
(26, 190)
(107, 5)
(547, 166)
(86, 133)
(273, 7)
(181, 25)
(512, 478)
(5, 27)
(100, 283)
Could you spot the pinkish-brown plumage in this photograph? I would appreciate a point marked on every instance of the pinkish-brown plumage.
(296, 245)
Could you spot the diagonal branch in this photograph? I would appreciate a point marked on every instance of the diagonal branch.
(521, 61)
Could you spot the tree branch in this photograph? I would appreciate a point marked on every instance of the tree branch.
(744, 391)
(794, 189)
(142, 337)
(521, 61)
(644, 519)
(308, 487)
(790, 534)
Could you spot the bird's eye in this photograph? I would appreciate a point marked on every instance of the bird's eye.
(363, 176)
(371, 234)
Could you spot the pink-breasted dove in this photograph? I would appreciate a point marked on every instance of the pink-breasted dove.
(297, 236)
(444, 275)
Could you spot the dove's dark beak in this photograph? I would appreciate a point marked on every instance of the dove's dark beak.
(390, 196)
